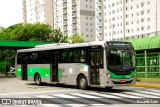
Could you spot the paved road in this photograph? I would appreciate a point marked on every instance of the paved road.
(70, 96)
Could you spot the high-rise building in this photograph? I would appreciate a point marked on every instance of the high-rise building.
(131, 19)
(76, 17)
(38, 11)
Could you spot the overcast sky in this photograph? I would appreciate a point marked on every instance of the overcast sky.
(10, 12)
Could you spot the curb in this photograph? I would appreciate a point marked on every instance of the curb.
(147, 85)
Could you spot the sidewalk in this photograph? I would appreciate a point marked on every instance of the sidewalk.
(4, 76)
(147, 85)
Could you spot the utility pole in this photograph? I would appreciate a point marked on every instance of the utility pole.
(124, 20)
(102, 4)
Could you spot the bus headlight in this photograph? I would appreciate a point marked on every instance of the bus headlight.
(108, 75)
(134, 73)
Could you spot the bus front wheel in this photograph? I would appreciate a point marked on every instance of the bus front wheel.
(82, 82)
(38, 79)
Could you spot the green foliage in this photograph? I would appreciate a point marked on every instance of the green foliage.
(57, 36)
(76, 39)
(28, 32)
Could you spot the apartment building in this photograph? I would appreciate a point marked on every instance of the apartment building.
(38, 11)
(130, 19)
(76, 17)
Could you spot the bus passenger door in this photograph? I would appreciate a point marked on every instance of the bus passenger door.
(24, 67)
(94, 66)
(54, 67)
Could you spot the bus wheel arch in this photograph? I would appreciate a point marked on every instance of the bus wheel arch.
(82, 82)
(37, 79)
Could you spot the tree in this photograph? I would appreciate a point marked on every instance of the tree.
(76, 39)
(57, 36)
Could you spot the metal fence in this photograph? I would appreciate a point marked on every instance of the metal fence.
(148, 67)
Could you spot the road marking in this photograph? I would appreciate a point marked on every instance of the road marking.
(63, 96)
(50, 105)
(126, 96)
(45, 96)
(140, 94)
(38, 92)
(104, 95)
(158, 91)
(76, 105)
(149, 92)
(85, 96)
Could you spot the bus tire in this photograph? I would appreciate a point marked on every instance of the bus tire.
(82, 82)
(38, 80)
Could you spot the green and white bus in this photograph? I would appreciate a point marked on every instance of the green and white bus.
(94, 64)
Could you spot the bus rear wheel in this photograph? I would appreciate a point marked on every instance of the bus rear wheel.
(38, 79)
(82, 82)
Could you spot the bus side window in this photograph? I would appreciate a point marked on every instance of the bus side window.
(19, 59)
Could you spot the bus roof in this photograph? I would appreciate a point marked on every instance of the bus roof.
(62, 46)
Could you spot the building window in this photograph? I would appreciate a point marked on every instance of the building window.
(142, 20)
(148, 19)
(127, 16)
(137, 21)
(142, 12)
(137, 6)
(137, 14)
(131, 15)
(142, 4)
(113, 12)
(148, 11)
(148, 27)
(142, 28)
(112, 4)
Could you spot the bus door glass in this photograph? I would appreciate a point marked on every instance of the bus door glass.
(54, 67)
(94, 65)
(24, 66)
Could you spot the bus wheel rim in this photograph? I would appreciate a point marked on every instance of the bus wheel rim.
(83, 82)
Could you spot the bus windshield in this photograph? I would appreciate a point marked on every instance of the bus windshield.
(120, 59)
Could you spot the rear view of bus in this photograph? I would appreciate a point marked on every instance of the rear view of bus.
(120, 63)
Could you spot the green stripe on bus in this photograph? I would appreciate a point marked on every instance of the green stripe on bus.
(18, 72)
(121, 76)
(44, 72)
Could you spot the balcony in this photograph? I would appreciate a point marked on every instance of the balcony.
(99, 24)
(74, 8)
(64, 1)
(99, 17)
(98, 4)
(74, 14)
(65, 5)
(64, 11)
(99, 31)
(65, 23)
(73, 2)
(65, 29)
(74, 26)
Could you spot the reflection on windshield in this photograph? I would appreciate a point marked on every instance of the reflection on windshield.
(120, 57)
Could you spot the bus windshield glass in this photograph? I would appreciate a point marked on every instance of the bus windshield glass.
(120, 58)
